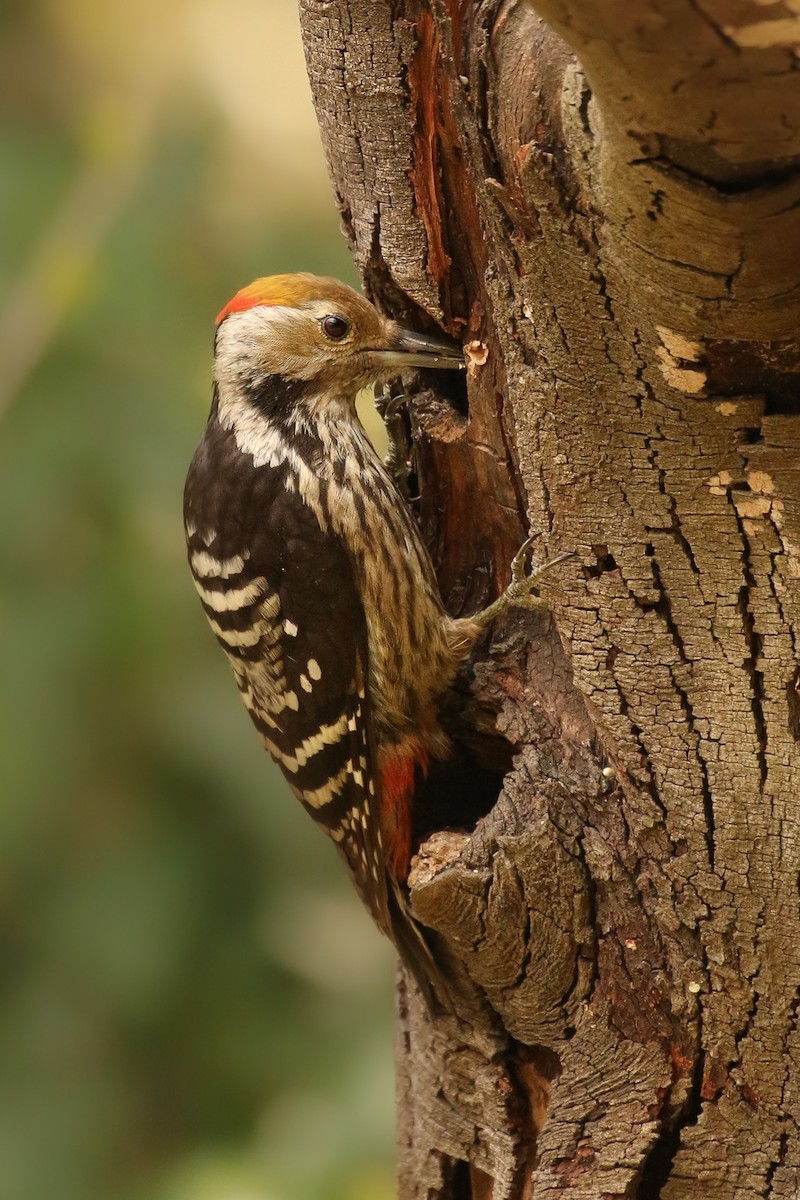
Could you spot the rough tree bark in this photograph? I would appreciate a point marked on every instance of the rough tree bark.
(603, 196)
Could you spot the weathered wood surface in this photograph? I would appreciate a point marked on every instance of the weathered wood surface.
(619, 235)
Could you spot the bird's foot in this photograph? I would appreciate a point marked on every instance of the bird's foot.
(389, 406)
(520, 591)
(398, 457)
(525, 576)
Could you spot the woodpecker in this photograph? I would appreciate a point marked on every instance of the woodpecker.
(314, 577)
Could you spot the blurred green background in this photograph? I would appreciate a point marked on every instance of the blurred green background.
(194, 1006)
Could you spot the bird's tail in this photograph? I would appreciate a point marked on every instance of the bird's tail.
(415, 952)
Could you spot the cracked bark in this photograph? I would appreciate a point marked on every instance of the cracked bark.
(606, 197)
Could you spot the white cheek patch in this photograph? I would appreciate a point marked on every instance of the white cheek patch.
(258, 340)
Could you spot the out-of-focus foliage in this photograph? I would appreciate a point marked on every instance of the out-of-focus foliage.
(193, 1007)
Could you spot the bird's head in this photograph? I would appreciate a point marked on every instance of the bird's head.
(315, 331)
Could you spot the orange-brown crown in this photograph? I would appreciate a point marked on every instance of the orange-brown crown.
(271, 290)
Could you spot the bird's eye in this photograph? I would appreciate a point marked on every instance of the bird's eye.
(335, 328)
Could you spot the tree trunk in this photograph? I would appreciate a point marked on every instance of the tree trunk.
(604, 200)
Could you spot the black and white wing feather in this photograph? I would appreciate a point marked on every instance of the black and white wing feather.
(281, 597)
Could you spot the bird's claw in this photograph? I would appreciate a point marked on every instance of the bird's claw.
(390, 405)
(524, 577)
(520, 592)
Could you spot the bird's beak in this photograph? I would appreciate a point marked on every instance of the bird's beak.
(409, 349)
